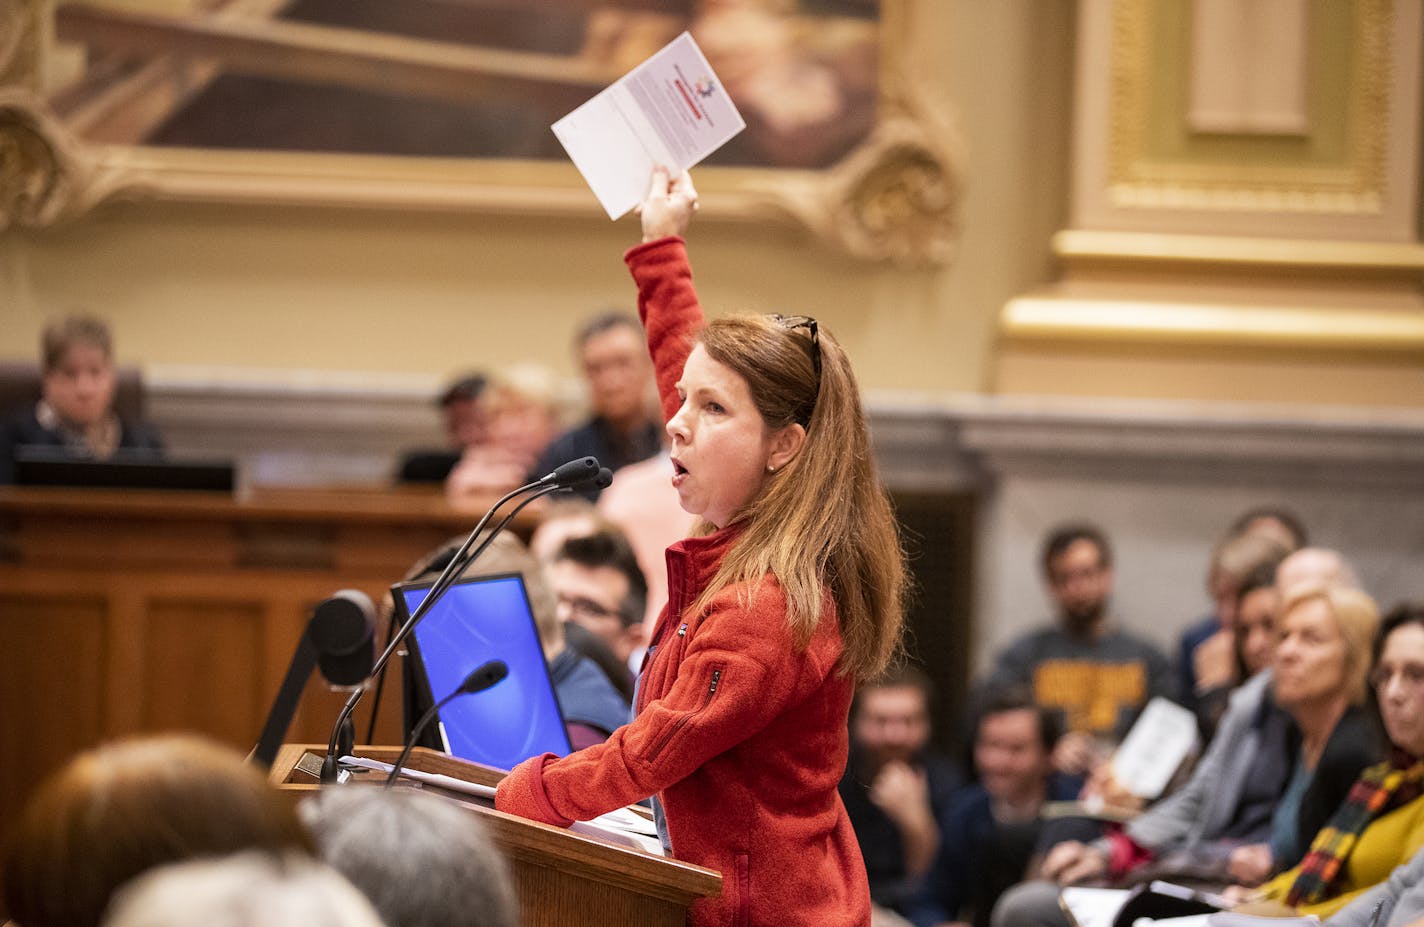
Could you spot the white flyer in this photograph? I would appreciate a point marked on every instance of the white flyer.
(671, 110)
(1161, 738)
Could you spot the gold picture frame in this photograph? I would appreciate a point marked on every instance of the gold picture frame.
(893, 198)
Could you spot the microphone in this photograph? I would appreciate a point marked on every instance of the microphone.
(574, 473)
(343, 627)
(339, 638)
(566, 476)
(479, 679)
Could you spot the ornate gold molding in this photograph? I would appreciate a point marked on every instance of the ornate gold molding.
(894, 198)
(1113, 322)
(1355, 185)
(45, 175)
(20, 22)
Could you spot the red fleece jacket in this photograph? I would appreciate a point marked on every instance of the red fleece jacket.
(741, 735)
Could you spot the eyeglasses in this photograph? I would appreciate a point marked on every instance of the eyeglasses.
(584, 607)
(1411, 674)
(793, 322)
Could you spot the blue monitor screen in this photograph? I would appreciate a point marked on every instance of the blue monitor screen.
(477, 620)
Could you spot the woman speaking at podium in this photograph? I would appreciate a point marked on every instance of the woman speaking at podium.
(786, 597)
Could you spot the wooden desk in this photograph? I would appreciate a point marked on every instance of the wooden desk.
(564, 879)
(131, 611)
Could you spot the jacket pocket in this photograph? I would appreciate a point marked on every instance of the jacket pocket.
(714, 679)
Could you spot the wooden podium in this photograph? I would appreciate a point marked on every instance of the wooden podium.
(564, 879)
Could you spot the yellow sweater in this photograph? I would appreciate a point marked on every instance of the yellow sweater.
(1387, 842)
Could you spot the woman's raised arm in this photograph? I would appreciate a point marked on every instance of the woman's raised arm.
(667, 302)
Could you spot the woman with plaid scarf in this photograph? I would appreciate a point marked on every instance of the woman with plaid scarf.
(1380, 825)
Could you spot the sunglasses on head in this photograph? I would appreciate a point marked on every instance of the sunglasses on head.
(793, 322)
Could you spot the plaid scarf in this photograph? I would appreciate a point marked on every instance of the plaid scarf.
(1379, 790)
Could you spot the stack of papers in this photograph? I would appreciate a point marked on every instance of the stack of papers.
(622, 826)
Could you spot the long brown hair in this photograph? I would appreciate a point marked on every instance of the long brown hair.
(823, 520)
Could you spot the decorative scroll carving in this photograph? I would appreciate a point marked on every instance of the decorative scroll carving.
(893, 199)
(44, 175)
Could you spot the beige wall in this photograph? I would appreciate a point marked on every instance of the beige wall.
(352, 291)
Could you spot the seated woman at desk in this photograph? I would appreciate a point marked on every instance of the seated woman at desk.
(75, 415)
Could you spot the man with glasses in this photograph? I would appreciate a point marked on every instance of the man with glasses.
(601, 589)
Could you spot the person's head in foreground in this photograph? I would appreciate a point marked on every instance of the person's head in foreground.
(247, 890)
(126, 807)
(422, 860)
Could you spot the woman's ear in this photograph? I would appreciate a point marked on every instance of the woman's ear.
(786, 443)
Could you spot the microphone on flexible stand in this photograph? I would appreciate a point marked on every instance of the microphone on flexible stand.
(339, 638)
(479, 679)
(575, 473)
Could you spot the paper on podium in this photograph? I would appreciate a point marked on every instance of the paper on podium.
(1164, 734)
(671, 110)
(621, 825)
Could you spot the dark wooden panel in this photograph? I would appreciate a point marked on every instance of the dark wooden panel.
(205, 669)
(51, 691)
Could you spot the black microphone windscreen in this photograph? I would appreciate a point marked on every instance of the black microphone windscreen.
(574, 473)
(343, 629)
(604, 478)
(483, 676)
(343, 622)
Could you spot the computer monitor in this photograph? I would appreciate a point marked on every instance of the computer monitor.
(48, 466)
(482, 619)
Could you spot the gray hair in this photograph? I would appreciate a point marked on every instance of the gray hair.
(422, 860)
(250, 889)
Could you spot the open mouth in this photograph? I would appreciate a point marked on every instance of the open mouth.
(679, 472)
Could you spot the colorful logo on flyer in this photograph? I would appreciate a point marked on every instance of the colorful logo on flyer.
(705, 87)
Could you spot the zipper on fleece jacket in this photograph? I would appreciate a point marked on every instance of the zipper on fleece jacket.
(687, 716)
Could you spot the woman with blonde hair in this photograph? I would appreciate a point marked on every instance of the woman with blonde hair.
(787, 596)
(1380, 824)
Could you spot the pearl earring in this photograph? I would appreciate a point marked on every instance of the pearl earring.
(770, 468)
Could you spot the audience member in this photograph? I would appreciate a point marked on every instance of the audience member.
(1395, 902)
(990, 828)
(462, 406)
(246, 890)
(1272, 521)
(1321, 663)
(643, 502)
(623, 428)
(1258, 605)
(422, 860)
(75, 414)
(601, 587)
(1206, 656)
(1380, 825)
(593, 707)
(1096, 677)
(1314, 565)
(1227, 801)
(126, 807)
(896, 788)
(1300, 729)
(566, 516)
(523, 419)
